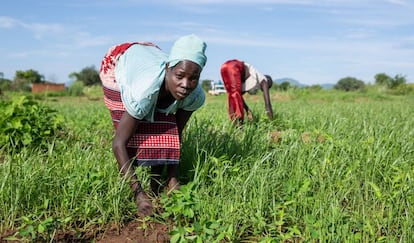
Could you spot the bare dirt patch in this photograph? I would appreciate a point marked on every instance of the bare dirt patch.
(136, 231)
(276, 136)
(308, 137)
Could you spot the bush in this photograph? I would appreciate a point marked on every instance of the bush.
(349, 84)
(76, 88)
(402, 89)
(24, 122)
(94, 92)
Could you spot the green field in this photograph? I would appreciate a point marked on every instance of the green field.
(331, 167)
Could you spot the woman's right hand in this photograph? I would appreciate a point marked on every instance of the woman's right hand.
(249, 116)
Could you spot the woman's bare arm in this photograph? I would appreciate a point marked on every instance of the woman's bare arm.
(268, 105)
(126, 128)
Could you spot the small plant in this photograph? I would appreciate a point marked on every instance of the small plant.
(34, 229)
(37, 227)
(182, 205)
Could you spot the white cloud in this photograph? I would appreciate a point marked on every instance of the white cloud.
(42, 30)
(398, 2)
(85, 39)
(7, 22)
(39, 30)
(195, 2)
(359, 33)
(56, 33)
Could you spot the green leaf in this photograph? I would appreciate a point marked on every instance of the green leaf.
(40, 228)
(16, 124)
(175, 238)
(376, 190)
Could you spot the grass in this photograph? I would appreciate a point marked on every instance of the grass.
(341, 170)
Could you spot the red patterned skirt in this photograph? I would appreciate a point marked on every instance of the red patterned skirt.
(154, 143)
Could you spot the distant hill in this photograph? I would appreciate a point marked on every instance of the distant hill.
(294, 82)
(327, 86)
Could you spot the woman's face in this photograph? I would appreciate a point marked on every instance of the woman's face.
(182, 79)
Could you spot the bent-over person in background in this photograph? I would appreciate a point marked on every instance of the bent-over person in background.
(240, 77)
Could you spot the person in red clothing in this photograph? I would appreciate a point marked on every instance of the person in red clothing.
(240, 77)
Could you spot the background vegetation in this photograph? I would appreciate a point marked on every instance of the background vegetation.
(89, 76)
(333, 166)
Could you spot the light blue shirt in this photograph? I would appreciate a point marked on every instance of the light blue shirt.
(140, 72)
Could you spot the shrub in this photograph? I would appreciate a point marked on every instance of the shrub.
(402, 89)
(93, 92)
(24, 122)
(349, 84)
(76, 89)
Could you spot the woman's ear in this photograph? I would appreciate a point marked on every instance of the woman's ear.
(269, 81)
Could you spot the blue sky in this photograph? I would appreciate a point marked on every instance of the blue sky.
(312, 41)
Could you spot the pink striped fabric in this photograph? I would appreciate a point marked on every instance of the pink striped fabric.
(154, 143)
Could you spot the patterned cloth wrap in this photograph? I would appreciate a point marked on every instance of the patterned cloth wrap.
(154, 143)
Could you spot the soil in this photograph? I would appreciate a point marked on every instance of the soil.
(134, 231)
(276, 136)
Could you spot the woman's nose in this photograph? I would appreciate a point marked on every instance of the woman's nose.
(185, 83)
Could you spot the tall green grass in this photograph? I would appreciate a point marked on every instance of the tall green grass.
(342, 171)
(356, 184)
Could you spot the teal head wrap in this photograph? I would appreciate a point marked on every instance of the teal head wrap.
(189, 47)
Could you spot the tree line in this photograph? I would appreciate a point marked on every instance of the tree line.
(89, 76)
(22, 80)
(381, 79)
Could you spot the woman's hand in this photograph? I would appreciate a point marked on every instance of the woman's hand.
(249, 116)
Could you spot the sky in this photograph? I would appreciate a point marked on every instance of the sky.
(311, 41)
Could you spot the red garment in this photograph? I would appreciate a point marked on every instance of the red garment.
(232, 73)
(110, 59)
(107, 70)
(154, 143)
